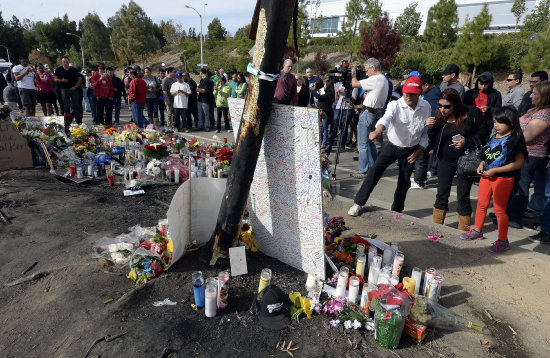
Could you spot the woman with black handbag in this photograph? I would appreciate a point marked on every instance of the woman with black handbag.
(457, 128)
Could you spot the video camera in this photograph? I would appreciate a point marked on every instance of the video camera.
(342, 73)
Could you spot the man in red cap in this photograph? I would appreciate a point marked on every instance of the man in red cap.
(407, 131)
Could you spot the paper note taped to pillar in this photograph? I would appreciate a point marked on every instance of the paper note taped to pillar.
(206, 198)
(285, 200)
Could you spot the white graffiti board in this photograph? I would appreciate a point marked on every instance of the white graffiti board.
(285, 200)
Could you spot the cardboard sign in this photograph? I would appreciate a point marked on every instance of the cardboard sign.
(14, 150)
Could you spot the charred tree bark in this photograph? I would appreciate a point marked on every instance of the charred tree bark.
(273, 18)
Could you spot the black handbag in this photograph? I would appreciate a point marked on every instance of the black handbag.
(468, 163)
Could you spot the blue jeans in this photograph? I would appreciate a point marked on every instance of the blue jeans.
(137, 112)
(204, 115)
(329, 121)
(117, 101)
(366, 147)
(534, 169)
(545, 217)
(91, 100)
(152, 107)
(86, 100)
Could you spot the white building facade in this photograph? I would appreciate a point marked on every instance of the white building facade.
(334, 13)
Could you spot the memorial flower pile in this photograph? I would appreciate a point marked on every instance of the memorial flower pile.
(335, 226)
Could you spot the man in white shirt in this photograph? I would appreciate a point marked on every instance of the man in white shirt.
(515, 91)
(181, 91)
(376, 87)
(405, 121)
(25, 75)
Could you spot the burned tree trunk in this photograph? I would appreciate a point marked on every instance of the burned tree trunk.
(272, 19)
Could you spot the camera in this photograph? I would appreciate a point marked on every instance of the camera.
(342, 73)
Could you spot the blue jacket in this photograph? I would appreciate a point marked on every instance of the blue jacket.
(432, 96)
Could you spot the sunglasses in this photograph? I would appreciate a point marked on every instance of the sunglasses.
(510, 79)
(446, 106)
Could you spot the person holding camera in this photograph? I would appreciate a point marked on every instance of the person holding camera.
(25, 75)
(323, 92)
(455, 128)
(376, 87)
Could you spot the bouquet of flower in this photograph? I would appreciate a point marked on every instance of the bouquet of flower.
(325, 163)
(193, 144)
(145, 267)
(155, 151)
(79, 133)
(224, 155)
(300, 305)
(433, 314)
(391, 308)
(247, 237)
(111, 131)
(161, 246)
(154, 168)
(53, 133)
(126, 135)
(335, 226)
(32, 134)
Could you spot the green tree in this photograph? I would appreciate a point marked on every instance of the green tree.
(52, 39)
(96, 38)
(441, 26)
(360, 12)
(173, 33)
(518, 9)
(216, 31)
(133, 33)
(539, 19)
(538, 56)
(242, 32)
(473, 47)
(409, 22)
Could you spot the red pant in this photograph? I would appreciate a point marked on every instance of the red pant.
(500, 189)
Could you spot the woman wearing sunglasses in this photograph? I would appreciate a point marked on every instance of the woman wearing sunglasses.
(456, 127)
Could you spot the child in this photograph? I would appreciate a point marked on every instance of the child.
(503, 154)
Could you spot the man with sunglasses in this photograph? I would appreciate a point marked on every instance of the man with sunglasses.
(526, 103)
(515, 90)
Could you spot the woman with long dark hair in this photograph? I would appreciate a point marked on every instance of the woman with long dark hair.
(324, 93)
(457, 128)
(242, 86)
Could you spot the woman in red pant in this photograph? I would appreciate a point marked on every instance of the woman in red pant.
(504, 154)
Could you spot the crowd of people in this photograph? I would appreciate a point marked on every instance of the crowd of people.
(171, 99)
(419, 117)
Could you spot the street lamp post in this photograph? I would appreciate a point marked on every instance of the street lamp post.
(81, 48)
(200, 16)
(8, 51)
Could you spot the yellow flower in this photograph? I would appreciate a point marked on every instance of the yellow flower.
(132, 275)
(196, 144)
(337, 239)
(170, 246)
(305, 304)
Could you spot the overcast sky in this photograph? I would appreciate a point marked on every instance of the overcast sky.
(232, 13)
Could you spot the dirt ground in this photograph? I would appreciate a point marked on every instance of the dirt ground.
(63, 313)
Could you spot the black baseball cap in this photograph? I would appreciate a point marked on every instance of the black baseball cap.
(451, 68)
(270, 307)
(406, 72)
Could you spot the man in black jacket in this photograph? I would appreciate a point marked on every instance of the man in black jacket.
(120, 91)
(192, 104)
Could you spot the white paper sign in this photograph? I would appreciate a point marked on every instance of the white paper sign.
(285, 200)
(237, 259)
(206, 197)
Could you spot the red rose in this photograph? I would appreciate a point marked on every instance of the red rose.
(157, 269)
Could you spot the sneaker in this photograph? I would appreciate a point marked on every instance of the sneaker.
(499, 247)
(415, 185)
(543, 237)
(358, 175)
(188, 130)
(217, 131)
(323, 146)
(230, 131)
(354, 210)
(429, 175)
(471, 235)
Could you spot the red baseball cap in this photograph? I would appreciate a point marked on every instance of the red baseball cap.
(413, 84)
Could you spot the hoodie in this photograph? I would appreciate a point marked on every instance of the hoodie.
(494, 98)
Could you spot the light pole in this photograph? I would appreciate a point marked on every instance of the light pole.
(81, 48)
(201, 37)
(8, 51)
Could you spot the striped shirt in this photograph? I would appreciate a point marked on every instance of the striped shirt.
(538, 147)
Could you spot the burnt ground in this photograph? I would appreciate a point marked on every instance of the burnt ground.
(64, 313)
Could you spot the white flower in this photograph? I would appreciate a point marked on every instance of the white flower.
(156, 171)
(347, 324)
(356, 324)
(334, 322)
(369, 326)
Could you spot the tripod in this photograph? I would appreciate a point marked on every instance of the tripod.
(342, 124)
